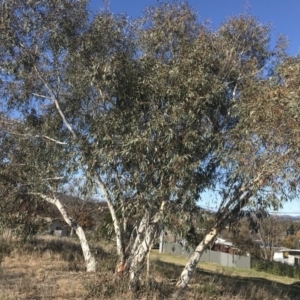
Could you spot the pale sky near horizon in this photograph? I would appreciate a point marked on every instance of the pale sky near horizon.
(284, 16)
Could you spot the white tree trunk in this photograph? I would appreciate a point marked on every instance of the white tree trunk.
(142, 227)
(142, 250)
(135, 254)
(117, 227)
(135, 239)
(161, 241)
(190, 267)
(230, 210)
(88, 256)
(138, 255)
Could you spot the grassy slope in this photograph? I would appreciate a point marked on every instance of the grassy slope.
(213, 281)
(249, 273)
(53, 269)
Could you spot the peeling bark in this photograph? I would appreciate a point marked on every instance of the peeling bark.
(134, 255)
(161, 241)
(195, 258)
(139, 255)
(88, 256)
(131, 248)
(142, 250)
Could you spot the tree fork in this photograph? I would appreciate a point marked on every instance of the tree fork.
(139, 254)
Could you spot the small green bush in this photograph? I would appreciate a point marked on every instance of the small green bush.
(276, 268)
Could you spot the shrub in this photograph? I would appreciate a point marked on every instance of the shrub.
(276, 268)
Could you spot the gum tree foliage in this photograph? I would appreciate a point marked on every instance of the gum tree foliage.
(123, 103)
(29, 165)
(246, 158)
(137, 107)
(36, 37)
(276, 127)
(268, 135)
(18, 210)
(142, 108)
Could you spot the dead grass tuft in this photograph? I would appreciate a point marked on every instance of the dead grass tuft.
(53, 268)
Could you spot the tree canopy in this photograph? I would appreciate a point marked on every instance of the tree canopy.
(151, 112)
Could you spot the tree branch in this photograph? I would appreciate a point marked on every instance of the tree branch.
(55, 101)
(39, 136)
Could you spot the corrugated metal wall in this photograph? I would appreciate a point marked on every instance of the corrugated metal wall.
(223, 259)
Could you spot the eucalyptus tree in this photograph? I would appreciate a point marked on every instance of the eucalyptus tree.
(143, 109)
(61, 75)
(172, 119)
(26, 165)
(272, 119)
(139, 109)
(37, 39)
(245, 157)
(150, 107)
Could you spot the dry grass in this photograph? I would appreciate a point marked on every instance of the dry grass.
(207, 284)
(53, 268)
(42, 275)
(215, 268)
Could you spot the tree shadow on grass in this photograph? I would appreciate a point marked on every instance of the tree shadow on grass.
(219, 285)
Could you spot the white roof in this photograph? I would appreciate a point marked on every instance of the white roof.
(223, 242)
(288, 250)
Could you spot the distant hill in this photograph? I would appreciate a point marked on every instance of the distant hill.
(289, 217)
(88, 213)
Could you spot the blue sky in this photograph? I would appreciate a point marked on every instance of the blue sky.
(284, 16)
